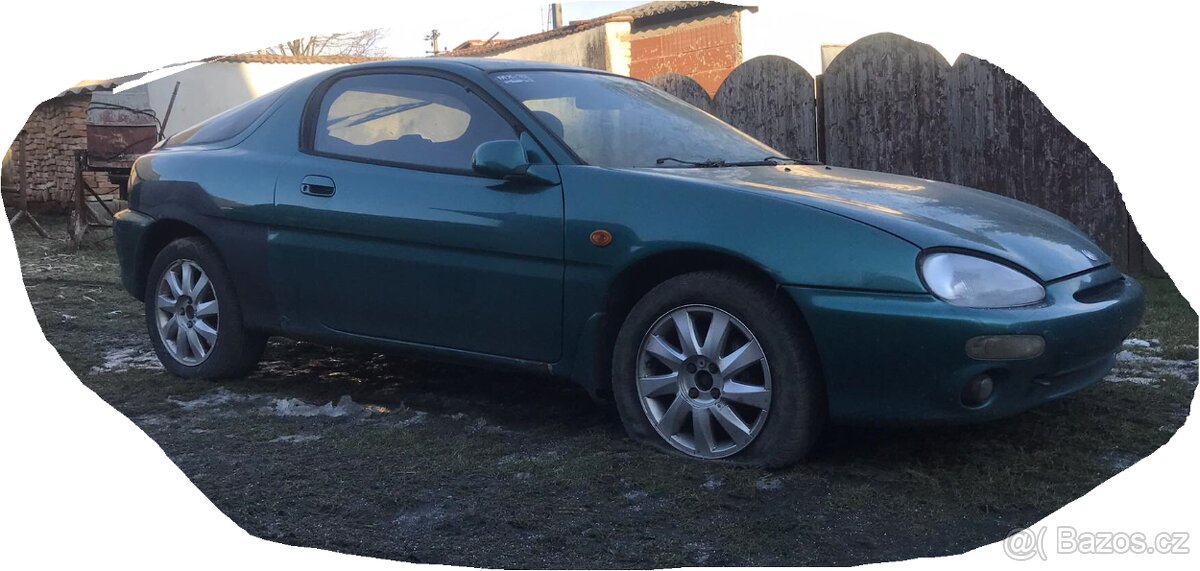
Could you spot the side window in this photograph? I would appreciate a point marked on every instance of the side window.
(411, 119)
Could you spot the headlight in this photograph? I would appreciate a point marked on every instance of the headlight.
(969, 281)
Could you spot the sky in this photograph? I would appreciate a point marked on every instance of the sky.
(792, 29)
(509, 19)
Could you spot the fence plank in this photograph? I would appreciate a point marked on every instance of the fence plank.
(895, 105)
(773, 99)
(884, 99)
(1004, 140)
(685, 88)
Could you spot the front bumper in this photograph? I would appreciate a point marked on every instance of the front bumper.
(902, 358)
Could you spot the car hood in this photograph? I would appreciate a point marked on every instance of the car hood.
(925, 212)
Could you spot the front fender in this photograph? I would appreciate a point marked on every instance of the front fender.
(657, 216)
(795, 244)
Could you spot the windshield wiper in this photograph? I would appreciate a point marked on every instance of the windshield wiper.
(769, 161)
(713, 163)
(797, 161)
(719, 163)
(378, 113)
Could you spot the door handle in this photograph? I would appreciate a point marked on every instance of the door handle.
(314, 185)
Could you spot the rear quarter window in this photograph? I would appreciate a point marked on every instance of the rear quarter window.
(225, 125)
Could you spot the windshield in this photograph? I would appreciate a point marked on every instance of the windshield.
(618, 122)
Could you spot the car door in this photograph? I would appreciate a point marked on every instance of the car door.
(383, 230)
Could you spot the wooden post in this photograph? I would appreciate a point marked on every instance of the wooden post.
(77, 224)
(819, 86)
(23, 191)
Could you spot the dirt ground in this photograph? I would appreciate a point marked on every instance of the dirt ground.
(418, 461)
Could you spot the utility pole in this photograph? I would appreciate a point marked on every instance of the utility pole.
(432, 38)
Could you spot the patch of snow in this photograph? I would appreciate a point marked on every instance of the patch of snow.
(1127, 356)
(712, 483)
(127, 359)
(417, 418)
(482, 425)
(636, 495)
(1144, 381)
(1131, 342)
(345, 406)
(699, 553)
(221, 396)
(769, 484)
(1131, 364)
(274, 367)
(422, 516)
(637, 499)
(1118, 461)
(296, 438)
(539, 458)
(152, 420)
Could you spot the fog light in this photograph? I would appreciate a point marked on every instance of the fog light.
(1005, 347)
(978, 391)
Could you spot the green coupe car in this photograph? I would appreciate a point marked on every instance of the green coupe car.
(583, 225)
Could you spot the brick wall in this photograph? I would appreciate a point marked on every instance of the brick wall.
(703, 48)
(54, 131)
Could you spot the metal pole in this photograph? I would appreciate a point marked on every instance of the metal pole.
(167, 116)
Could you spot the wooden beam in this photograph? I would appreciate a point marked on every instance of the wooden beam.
(23, 192)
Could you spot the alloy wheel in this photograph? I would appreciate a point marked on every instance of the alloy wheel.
(703, 381)
(186, 312)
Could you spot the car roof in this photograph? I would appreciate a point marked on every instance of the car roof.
(486, 65)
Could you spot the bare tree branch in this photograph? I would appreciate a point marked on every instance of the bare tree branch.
(364, 43)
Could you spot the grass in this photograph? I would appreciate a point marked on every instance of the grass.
(471, 467)
(1169, 319)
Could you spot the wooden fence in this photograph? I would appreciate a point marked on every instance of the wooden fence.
(887, 103)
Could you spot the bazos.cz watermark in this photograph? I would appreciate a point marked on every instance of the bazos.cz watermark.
(1026, 544)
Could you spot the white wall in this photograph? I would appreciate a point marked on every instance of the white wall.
(210, 88)
(603, 47)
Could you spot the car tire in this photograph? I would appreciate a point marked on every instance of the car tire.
(787, 377)
(207, 339)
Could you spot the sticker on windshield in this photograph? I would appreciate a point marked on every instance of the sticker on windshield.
(514, 78)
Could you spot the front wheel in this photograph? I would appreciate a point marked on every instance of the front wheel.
(193, 314)
(713, 366)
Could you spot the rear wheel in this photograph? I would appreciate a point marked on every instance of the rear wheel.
(712, 366)
(193, 315)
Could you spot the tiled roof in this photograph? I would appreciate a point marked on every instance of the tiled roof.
(91, 85)
(628, 15)
(657, 8)
(477, 43)
(505, 45)
(276, 58)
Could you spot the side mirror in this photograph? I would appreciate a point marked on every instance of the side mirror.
(500, 159)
